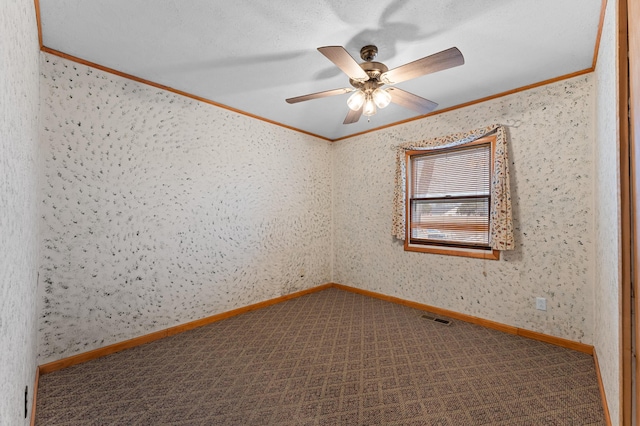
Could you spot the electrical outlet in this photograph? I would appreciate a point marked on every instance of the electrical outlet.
(541, 303)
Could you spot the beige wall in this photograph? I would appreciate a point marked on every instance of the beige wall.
(551, 149)
(18, 206)
(607, 215)
(163, 213)
(158, 210)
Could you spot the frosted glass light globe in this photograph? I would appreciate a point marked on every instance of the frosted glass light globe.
(369, 107)
(356, 100)
(381, 97)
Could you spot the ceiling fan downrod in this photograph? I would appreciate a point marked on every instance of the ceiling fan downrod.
(369, 52)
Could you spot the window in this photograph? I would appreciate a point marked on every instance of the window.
(449, 198)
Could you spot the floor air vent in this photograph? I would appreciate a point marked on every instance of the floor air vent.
(435, 319)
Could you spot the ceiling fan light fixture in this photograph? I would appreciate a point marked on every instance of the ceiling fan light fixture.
(369, 107)
(356, 100)
(381, 97)
(368, 78)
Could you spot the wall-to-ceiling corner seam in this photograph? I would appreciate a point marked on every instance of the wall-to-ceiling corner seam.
(36, 4)
(474, 102)
(596, 48)
(106, 69)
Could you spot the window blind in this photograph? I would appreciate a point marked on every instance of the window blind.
(450, 195)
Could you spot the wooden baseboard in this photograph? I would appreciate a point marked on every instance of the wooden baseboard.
(558, 341)
(107, 350)
(141, 340)
(137, 341)
(603, 395)
(35, 397)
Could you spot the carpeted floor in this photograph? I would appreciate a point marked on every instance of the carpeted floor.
(329, 358)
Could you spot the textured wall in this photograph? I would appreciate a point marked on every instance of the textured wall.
(551, 147)
(18, 206)
(158, 210)
(607, 215)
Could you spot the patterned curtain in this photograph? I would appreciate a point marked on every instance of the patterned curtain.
(501, 233)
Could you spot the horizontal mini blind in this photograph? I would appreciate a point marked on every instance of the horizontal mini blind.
(450, 193)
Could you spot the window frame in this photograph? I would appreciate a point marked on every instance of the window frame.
(446, 248)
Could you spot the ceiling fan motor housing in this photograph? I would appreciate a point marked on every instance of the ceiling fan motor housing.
(374, 70)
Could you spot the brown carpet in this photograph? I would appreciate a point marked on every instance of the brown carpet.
(329, 358)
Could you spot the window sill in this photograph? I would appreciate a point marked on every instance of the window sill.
(454, 251)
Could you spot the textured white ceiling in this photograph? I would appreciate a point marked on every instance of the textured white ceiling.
(251, 55)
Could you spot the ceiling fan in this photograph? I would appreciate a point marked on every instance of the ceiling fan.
(368, 78)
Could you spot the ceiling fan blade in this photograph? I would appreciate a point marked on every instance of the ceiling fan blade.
(352, 116)
(411, 101)
(339, 56)
(437, 62)
(319, 95)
